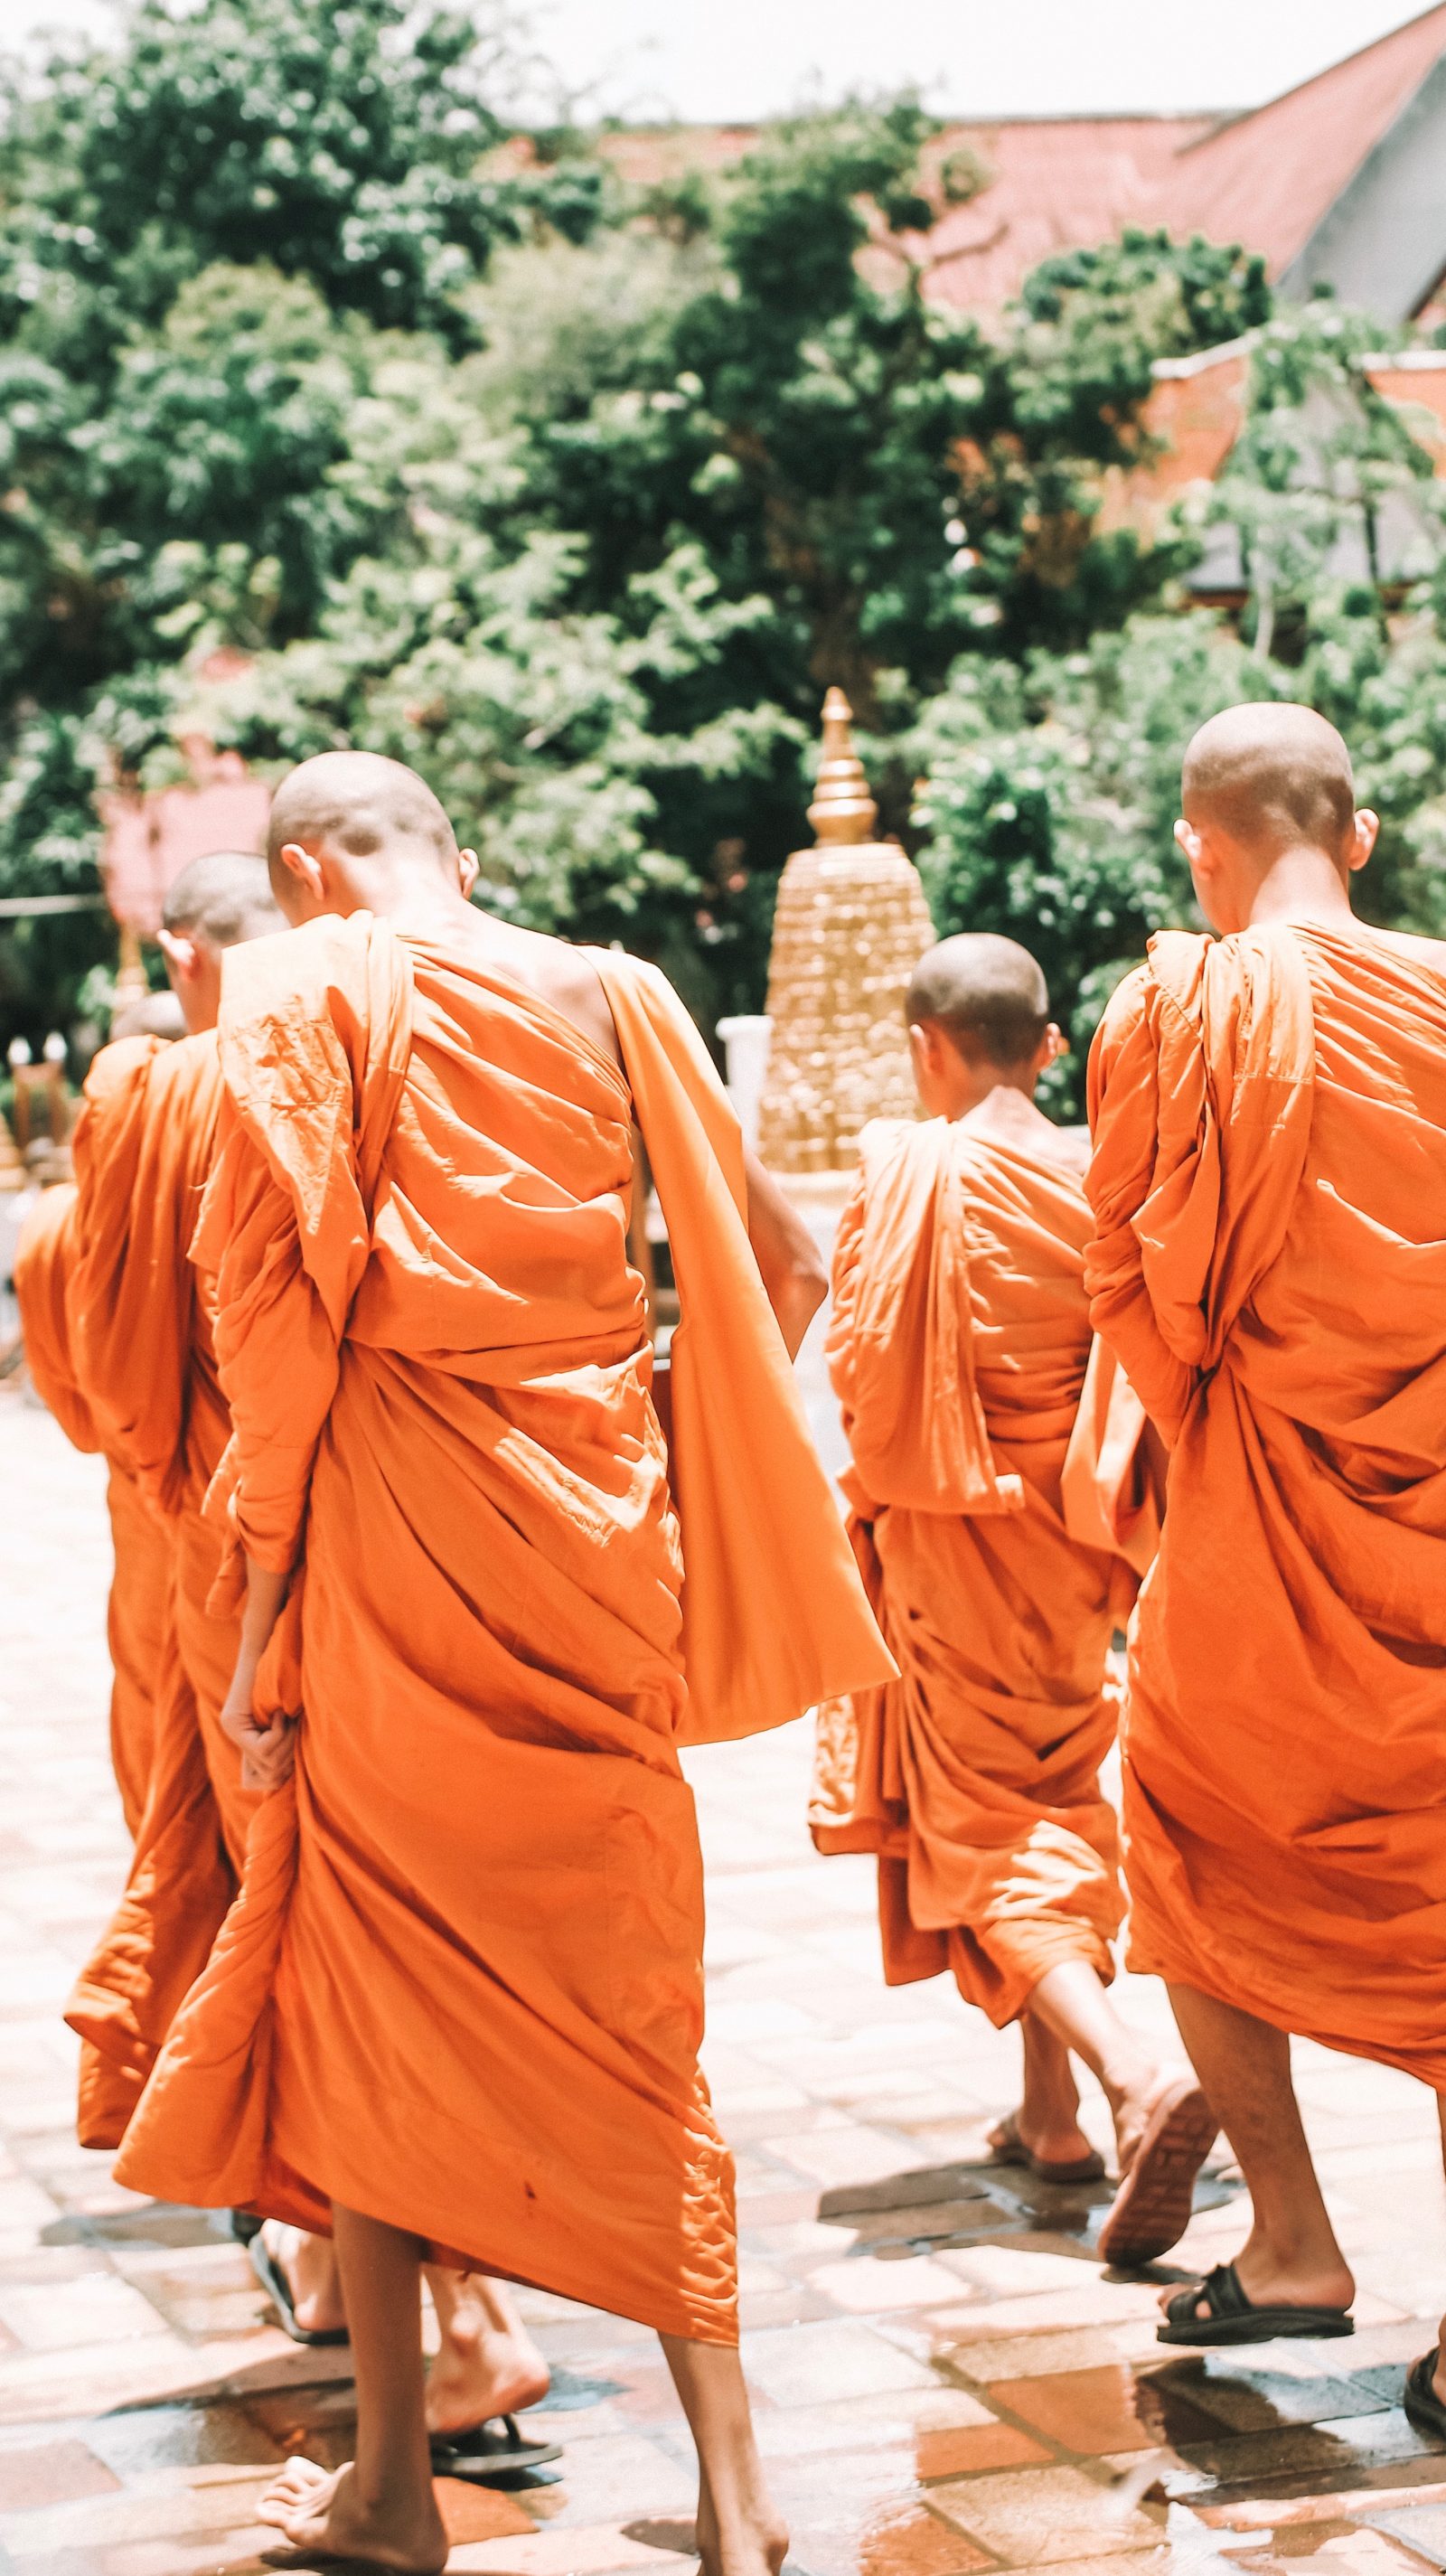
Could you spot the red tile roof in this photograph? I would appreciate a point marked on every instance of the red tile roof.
(1265, 177)
(1059, 183)
(1269, 177)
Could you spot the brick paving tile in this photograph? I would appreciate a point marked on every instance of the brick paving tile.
(52, 2473)
(946, 2380)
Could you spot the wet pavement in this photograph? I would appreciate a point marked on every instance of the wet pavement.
(946, 2380)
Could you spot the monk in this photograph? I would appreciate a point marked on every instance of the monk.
(457, 2006)
(959, 1345)
(111, 1327)
(1269, 1264)
(139, 1332)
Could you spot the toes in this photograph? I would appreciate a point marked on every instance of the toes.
(296, 2477)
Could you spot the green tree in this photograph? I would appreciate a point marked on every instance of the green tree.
(342, 144)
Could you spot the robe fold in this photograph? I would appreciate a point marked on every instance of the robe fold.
(140, 1346)
(1269, 1264)
(959, 1346)
(461, 1988)
(138, 1619)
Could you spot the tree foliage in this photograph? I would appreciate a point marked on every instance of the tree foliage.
(325, 418)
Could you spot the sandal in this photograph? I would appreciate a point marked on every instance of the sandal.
(278, 2290)
(1151, 2210)
(1008, 2148)
(1423, 2407)
(483, 2457)
(1234, 2318)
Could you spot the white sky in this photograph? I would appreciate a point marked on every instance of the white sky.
(721, 59)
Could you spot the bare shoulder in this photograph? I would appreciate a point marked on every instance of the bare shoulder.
(560, 975)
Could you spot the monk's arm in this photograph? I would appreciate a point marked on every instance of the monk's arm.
(268, 1751)
(1125, 1105)
(789, 1262)
(277, 1359)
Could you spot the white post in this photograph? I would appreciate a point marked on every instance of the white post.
(745, 1039)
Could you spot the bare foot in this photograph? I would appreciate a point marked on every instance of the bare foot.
(1060, 2141)
(481, 2370)
(1268, 2282)
(309, 2265)
(754, 2544)
(322, 2512)
(1134, 2107)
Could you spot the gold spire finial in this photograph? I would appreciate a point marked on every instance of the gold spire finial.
(842, 809)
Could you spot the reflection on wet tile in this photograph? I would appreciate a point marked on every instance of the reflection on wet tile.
(1251, 2399)
(1038, 2517)
(1093, 2411)
(137, 2441)
(913, 2542)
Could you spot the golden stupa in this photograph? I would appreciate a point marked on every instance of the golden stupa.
(850, 926)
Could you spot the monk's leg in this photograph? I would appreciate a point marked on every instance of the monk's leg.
(1047, 2121)
(1072, 2002)
(739, 2532)
(488, 2363)
(308, 2265)
(1441, 2337)
(380, 2507)
(1291, 2258)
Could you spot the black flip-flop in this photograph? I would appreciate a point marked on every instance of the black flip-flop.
(487, 2458)
(1423, 2407)
(1007, 2147)
(1234, 2318)
(278, 2290)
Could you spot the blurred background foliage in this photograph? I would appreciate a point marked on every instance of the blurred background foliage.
(328, 413)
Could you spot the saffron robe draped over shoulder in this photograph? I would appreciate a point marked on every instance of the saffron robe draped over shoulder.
(461, 1989)
(1269, 1264)
(959, 1346)
(140, 1346)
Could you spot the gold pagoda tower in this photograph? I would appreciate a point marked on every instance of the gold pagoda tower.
(850, 926)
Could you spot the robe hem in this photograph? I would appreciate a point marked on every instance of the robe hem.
(1154, 1958)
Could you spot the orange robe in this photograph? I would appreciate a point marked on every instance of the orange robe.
(138, 1614)
(1270, 1266)
(461, 1989)
(140, 1346)
(959, 1344)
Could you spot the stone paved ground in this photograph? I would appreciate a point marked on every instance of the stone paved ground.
(945, 2379)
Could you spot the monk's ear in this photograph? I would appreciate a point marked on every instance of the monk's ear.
(1363, 840)
(180, 956)
(469, 869)
(302, 876)
(1053, 1045)
(1188, 842)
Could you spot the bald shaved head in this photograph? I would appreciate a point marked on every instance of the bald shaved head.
(987, 994)
(356, 805)
(223, 898)
(159, 1016)
(1271, 778)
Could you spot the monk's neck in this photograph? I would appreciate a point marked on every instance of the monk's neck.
(1008, 1113)
(1301, 885)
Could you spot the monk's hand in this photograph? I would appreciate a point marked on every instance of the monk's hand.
(268, 1752)
(268, 1755)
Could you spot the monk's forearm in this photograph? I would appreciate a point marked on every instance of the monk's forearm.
(796, 1300)
(789, 1261)
(265, 1597)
